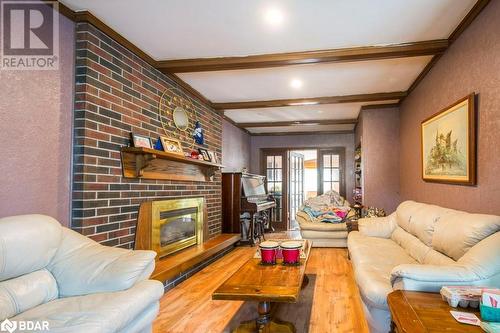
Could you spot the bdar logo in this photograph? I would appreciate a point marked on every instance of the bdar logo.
(8, 326)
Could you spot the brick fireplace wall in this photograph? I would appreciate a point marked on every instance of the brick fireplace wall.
(117, 93)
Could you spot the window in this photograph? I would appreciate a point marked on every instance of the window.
(332, 170)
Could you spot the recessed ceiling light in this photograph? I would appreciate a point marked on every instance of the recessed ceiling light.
(274, 16)
(296, 83)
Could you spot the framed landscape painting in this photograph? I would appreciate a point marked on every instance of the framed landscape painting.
(449, 144)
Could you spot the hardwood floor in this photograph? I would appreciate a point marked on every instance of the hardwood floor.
(330, 302)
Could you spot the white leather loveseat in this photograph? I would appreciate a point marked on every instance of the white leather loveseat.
(422, 247)
(54, 275)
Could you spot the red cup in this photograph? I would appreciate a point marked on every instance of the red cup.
(268, 251)
(291, 252)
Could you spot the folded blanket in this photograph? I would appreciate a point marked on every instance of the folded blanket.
(328, 208)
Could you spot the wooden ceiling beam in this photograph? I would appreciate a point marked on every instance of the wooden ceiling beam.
(422, 48)
(379, 106)
(301, 133)
(395, 95)
(299, 123)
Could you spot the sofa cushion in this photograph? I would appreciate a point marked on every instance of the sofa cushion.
(456, 233)
(404, 213)
(322, 226)
(373, 260)
(411, 244)
(77, 271)
(314, 234)
(103, 312)
(27, 244)
(434, 257)
(483, 259)
(419, 219)
(418, 250)
(374, 250)
(25, 292)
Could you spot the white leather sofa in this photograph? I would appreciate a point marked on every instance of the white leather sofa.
(53, 274)
(422, 247)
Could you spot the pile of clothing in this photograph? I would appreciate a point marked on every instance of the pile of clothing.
(328, 208)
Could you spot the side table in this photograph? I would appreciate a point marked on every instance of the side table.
(352, 225)
(421, 312)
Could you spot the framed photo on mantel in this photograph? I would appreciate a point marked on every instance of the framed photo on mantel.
(449, 144)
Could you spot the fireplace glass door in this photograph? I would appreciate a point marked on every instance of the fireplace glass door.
(177, 225)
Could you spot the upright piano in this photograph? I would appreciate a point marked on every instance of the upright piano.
(246, 206)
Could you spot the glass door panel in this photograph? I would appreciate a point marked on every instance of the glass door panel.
(274, 169)
(296, 183)
(332, 165)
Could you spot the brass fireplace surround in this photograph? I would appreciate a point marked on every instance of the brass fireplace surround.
(153, 214)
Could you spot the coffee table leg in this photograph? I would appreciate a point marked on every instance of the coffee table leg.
(265, 323)
(264, 310)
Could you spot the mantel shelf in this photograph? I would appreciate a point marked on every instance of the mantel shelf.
(154, 164)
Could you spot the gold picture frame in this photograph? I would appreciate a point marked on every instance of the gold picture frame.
(448, 144)
(172, 146)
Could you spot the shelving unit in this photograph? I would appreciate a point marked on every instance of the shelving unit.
(149, 163)
(358, 176)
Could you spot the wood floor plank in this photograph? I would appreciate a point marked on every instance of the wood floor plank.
(330, 303)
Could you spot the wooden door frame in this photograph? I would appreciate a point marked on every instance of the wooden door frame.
(285, 150)
(342, 165)
(303, 178)
(264, 152)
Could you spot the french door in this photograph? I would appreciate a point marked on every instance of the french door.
(284, 171)
(274, 167)
(296, 182)
(331, 175)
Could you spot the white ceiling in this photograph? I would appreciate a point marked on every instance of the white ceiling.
(177, 29)
(327, 79)
(181, 29)
(302, 128)
(299, 113)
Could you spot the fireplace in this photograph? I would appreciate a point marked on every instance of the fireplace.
(168, 226)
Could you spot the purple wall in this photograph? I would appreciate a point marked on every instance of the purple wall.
(307, 141)
(36, 113)
(235, 147)
(472, 64)
(378, 132)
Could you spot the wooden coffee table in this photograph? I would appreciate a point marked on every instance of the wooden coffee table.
(420, 312)
(266, 285)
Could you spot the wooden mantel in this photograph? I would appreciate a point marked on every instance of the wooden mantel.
(154, 164)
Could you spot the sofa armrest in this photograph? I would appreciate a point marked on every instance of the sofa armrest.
(431, 278)
(381, 227)
(433, 273)
(82, 266)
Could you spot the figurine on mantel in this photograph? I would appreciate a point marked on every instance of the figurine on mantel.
(198, 133)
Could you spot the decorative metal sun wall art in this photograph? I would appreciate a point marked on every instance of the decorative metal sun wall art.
(177, 115)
